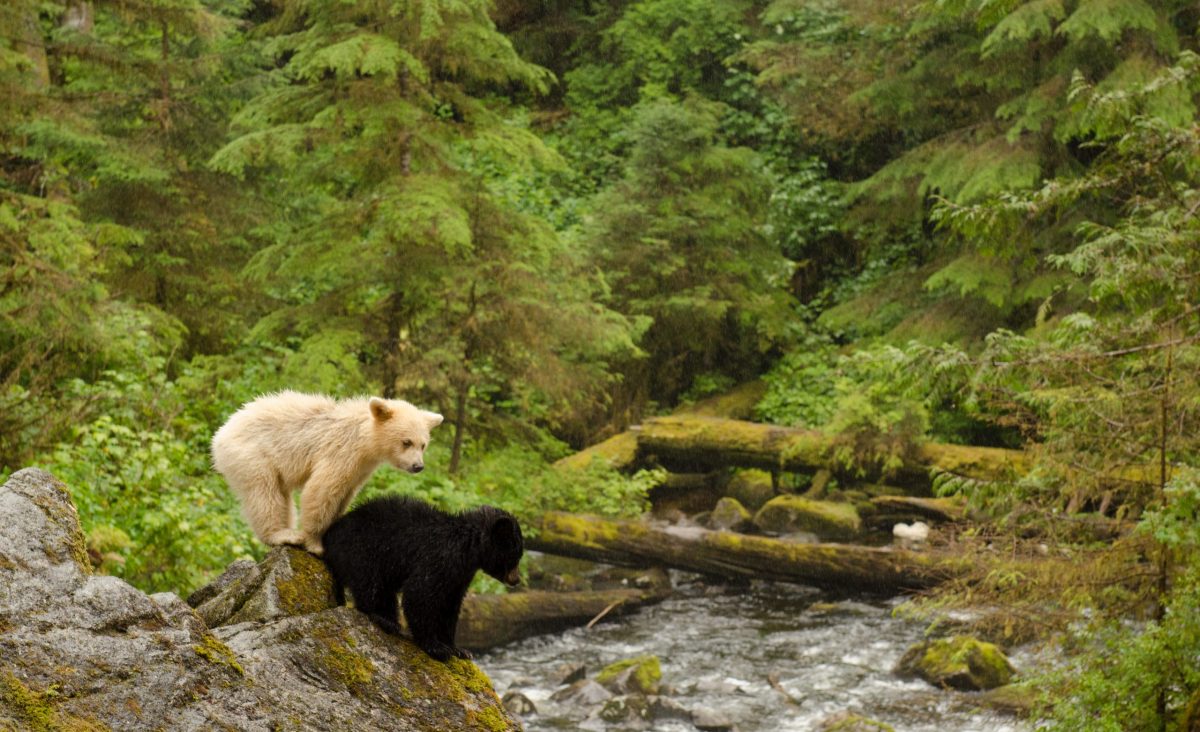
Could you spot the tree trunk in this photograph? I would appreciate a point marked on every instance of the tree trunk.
(26, 35)
(727, 554)
(460, 429)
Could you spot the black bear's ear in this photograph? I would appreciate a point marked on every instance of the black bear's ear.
(504, 530)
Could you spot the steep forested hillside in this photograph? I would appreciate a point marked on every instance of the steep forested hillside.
(970, 220)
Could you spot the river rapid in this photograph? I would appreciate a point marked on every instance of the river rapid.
(719, 646)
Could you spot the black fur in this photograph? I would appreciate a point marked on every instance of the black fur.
(389, 545)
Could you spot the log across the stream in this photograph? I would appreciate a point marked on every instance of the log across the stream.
(729, 554)
(689, 443)
(493, 620)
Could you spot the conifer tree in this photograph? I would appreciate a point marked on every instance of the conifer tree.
(397, 264)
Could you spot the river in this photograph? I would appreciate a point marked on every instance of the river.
(718, 645)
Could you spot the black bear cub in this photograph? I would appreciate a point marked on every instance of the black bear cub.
(389, 545)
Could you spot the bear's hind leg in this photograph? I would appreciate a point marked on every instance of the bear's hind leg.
(381, 607)
(269, 510)
(324, 499)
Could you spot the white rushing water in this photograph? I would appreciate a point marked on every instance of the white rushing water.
(718, 645)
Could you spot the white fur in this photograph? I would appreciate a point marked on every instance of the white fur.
(287, 442)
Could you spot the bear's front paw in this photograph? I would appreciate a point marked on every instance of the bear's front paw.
(314, 546)
(462, 653)
(438, 651)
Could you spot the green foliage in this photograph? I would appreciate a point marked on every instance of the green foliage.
(140, 475)
(1133, 680)
(523, 481)
(679, 237)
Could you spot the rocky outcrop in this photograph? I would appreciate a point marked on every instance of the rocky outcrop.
(80, 651)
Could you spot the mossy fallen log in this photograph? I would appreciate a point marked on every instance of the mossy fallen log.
(727, 554)
(691, 443)
(618, 451)
(488, 621)
(697, 443)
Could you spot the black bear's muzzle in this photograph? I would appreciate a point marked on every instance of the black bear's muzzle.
(513, 578)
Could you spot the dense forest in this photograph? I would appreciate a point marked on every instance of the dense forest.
(970, 221)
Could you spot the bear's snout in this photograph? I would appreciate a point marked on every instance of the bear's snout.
(513, 578)
(416, 468)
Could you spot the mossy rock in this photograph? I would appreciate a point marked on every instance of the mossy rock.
(827, 519)
(640, 675)
(751, 487)
(729, 515)
(960, 662)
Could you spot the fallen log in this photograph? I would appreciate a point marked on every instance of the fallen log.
(488, 621)
(689, 443)
(620, 450)
(935, 510)
(686, 443)
(728, 554)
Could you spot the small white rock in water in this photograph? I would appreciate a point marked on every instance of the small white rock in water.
(917, 533)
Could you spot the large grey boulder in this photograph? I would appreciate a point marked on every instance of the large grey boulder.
(83, 651)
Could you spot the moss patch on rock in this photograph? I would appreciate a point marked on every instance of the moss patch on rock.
(308, 588)
(217, 652)
(35, 711)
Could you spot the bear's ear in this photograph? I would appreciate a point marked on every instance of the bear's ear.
(380, 409)
(504, 531)
(433, 419)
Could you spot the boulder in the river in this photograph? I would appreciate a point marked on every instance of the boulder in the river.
(848, 721)
(638, 675)
(751, 487)
(88, 652)
(663, 708)
(569, 673)
(630, 711)
(729, 515)
(518, 703)
(709, 720)
(959, 662)
(1020, 699)
(584, 693)
(827, 519)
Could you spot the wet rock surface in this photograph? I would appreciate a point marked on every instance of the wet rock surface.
(82, 651)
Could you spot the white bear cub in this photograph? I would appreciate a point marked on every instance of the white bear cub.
(287, 442)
